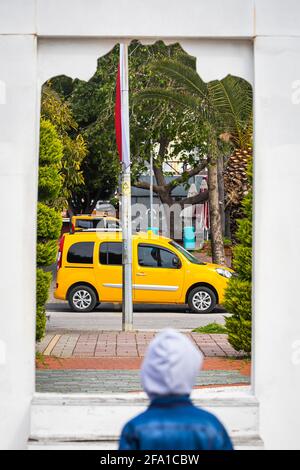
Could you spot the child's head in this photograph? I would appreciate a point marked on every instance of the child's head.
(171, 365)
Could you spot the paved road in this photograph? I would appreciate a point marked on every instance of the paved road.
(109, 317)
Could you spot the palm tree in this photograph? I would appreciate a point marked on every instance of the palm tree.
(237, 112)
(224, 106)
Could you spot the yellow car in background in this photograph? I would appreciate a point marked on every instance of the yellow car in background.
(90, 222)
(89, 271)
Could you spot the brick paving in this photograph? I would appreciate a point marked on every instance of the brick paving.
(124, 344)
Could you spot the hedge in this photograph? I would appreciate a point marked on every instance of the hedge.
(43, 281)
(40, 326)
(46, 252)
(50, 183)
(238, 297)
(49, 222)
(238, 294)
(51, 147)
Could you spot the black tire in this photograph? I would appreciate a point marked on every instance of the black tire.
(204, 297)
(82, 295)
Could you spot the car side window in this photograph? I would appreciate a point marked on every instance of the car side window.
(81, 252)
(110, 253)
(81, 223)
(152, 256)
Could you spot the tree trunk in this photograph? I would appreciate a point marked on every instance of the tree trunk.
(221, 192)
(217, 245)
(168, 201)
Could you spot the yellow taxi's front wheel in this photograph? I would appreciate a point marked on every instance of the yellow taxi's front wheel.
(82, 299)
(202, 299)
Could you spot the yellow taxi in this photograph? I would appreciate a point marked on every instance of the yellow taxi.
(89, 271)
(91, 222)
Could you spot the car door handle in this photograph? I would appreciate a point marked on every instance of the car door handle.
(141, 274)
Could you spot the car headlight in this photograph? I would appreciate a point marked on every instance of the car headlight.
(224, 272)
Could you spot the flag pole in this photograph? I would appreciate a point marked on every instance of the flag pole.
(127, 310)
(151, 188)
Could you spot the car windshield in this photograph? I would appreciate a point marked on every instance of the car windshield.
(186, 253)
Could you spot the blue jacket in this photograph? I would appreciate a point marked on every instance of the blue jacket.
(174, 423)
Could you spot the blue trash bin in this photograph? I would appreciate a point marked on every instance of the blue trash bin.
(189, 238)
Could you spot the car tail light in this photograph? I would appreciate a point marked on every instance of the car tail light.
(60, 252)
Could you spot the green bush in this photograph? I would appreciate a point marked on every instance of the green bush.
(244, 231)
(50, 183)
(51, 147)
(242, 261)
(239, 333)
(49, 222)
(238, 298)
(46, 252)
(40, 326)
(238, 293)
(43, 281)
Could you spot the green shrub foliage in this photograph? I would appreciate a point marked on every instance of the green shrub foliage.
(49, 222)
(51, 147)
(239, 333)
(49, 183)
(40, 325)
(46, 252)
(242, 262)
(239, 290)
(48, 219)
(43, 281)
(238, 298)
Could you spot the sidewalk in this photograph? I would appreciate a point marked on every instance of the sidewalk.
(101, 362)
(124, 345)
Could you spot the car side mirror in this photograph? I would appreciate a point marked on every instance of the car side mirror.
(176, 262)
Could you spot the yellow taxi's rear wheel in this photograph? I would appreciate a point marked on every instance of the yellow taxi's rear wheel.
(202, 299)
(82, 298)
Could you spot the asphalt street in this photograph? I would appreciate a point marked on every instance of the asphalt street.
(146, 317)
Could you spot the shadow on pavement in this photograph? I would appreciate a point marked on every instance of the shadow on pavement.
(109, 308)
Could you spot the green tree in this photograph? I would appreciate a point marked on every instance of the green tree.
(48, 219)
(222, 106)
(157, 126)
(92, 105)
(239, 291)
(56, 109)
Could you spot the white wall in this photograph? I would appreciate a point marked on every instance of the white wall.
(148, 18)
(18, 183)
(277, 239)
(276, 27)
